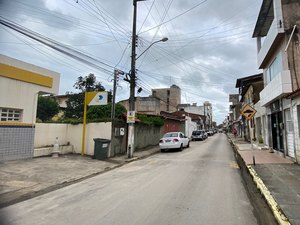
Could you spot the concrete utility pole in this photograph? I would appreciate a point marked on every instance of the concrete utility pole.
(130, 149)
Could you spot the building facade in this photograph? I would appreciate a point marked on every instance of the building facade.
(20, 85)
(249, 89)
(164, 99)
(170, 97)
(235, 113)
(205, 110)
(278, 55)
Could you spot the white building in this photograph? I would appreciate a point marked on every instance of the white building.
(20, 85)
(205, 110)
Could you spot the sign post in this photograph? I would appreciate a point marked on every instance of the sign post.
(91, 98)
(248, 112)
(130, 121)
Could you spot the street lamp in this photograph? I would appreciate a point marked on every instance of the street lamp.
(130, 148)
(161, 40)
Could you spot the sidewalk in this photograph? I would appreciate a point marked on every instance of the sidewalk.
(277, 178)
(24, 179)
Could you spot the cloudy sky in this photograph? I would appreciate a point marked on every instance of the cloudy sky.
(210, 43)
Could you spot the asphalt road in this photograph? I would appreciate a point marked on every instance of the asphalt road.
(200, 185)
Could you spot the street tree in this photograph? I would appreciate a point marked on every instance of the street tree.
(75, 103)
(47, 107)
(88, 83)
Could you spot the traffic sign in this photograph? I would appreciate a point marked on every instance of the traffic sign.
(248, 112)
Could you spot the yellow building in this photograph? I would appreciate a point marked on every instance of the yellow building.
(20, 85)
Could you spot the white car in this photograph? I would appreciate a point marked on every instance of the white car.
(174, 140)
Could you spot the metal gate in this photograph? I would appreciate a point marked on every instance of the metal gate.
(289, 133)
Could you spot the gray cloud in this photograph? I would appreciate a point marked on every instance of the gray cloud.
(208, 48)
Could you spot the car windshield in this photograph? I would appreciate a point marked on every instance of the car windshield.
(196, 132)
(171, 135)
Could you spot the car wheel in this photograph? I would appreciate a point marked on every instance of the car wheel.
(181, 147)
(188, 145)
(162, 150)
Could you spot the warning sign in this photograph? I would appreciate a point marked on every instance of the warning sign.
(248, 112)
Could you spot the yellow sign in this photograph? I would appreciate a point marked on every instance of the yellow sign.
(248, 112)
(96, 98)
(130, 116)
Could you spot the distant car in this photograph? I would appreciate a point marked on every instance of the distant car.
(205, 134)
(210, 133)
(199, 135)
(174, 140)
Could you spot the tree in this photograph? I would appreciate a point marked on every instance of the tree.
(104, 111)
(75, 104)
(88, 83)
(47, 108)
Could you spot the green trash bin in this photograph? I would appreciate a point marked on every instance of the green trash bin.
(101, 148)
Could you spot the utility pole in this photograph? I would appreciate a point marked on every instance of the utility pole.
(130, 149)
(113, 107)
(116, 79)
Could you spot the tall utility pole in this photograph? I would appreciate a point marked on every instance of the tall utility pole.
(130, 149)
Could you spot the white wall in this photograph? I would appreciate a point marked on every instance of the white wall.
(45, 135)
(19, 95)
(190, 126)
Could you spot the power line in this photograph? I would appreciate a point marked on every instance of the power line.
(55, 45)
(175, 17)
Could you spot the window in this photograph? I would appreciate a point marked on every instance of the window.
(274, 68)
(10, 114)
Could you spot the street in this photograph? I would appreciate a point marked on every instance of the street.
(200, 185)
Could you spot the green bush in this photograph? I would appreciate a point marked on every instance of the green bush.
(151, 120)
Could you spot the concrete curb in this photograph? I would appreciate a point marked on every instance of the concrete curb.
(279, 215)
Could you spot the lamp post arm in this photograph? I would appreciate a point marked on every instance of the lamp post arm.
(162, 40)
(147, 49)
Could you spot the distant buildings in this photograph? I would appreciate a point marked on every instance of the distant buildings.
(163, 99)
(168, 100)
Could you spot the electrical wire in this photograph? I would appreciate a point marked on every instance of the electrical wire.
(175, 17)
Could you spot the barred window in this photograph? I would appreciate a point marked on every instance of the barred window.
(10, 114)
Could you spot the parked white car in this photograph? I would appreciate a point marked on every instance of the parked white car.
(174, 140)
